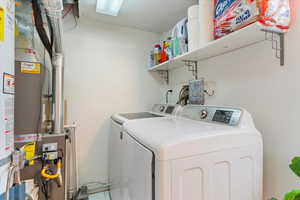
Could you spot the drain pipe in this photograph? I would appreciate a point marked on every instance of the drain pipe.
(54, 10)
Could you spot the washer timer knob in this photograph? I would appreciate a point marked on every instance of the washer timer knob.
(161, 108)
(203, 114)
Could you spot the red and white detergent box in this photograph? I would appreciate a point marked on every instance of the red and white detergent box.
(231, 15)
(275, 15)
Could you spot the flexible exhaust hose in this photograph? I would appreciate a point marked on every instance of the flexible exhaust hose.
(54, 10)
(54, 47)
(38, 20)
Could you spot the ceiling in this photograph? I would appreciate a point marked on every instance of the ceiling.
(149, 15)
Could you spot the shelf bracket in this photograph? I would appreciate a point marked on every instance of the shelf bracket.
(192, 67)
(277, 40)
(164, 74)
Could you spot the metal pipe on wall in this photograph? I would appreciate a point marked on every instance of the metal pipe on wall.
(54, 10)
(58, 94)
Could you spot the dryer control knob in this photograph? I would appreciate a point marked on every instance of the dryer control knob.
(203, 114)
(161, 108)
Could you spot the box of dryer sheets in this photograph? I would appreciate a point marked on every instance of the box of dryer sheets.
(231, 15)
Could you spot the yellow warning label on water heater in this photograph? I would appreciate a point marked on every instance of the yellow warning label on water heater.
(29, 150)
(2, 23)
(30, 68)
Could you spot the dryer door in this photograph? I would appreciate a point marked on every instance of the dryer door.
(138, 170)
(115, 161)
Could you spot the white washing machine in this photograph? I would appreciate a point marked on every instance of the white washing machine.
(203, 153)
(117, 146)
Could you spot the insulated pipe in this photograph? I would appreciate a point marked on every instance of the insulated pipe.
(54, 10)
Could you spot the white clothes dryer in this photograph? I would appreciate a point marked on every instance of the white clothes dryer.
(203, 153)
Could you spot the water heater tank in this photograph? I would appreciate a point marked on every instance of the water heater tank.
(7, 83)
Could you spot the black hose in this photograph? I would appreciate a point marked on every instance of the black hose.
(51, 31)
(183, 95)
(39, 24)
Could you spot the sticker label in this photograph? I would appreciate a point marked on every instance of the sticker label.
(2, 24)
(29, 150)
(8, 122)
(8, 83)
(28, 138)
(30, 68)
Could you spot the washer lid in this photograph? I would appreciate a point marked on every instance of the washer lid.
(141, 115)
(121, 118)
(174, 137)
(158, 110)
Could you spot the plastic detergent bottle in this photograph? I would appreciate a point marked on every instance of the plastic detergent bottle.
(164, 56)
(152, 59)
(179, 36)
(177, 47)
(157, 54)
(169, 48)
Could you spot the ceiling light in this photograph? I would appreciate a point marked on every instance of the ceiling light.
(109, 7)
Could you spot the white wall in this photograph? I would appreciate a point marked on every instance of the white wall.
(252, 78)
(106, 73)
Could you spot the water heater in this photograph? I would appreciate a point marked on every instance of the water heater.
(7, 85)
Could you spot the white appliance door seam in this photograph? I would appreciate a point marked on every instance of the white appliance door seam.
(152, 164)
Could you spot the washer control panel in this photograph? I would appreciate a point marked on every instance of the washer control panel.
(228, 116)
